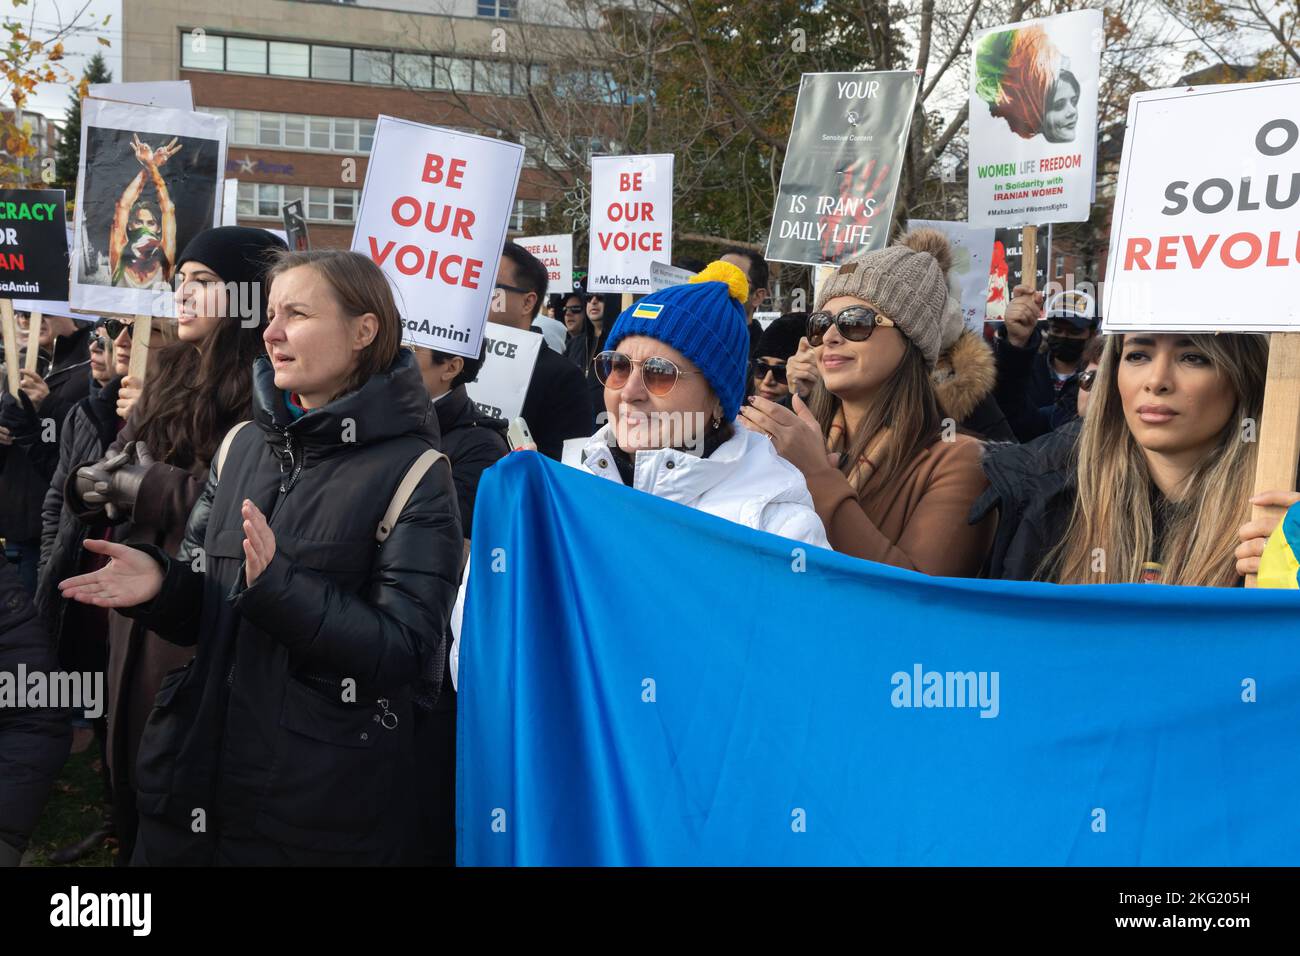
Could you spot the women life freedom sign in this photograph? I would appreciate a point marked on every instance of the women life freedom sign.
(1206, 231)
(1033, 120)
(433, 217)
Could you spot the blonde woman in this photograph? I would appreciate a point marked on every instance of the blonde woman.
(1160, 480)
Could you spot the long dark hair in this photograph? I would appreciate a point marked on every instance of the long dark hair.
(195, 395)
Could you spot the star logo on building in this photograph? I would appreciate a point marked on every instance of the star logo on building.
(247, 165)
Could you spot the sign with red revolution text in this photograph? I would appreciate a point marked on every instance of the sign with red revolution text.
(1206, 231)
(631, 221)
(434, 212)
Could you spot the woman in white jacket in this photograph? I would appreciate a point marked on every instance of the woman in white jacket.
(674, 372)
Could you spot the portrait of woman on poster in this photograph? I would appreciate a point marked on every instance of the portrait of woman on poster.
(142, 246)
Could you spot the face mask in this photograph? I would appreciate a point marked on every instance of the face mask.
(1065, 349)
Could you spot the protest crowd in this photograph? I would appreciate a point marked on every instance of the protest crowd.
(262, 537)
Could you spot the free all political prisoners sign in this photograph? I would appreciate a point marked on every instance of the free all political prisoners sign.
(33, 244)
(434, 212)
(556, 253)
(842, 166)
(1206, 231)
(631, 221)
(1033, 120)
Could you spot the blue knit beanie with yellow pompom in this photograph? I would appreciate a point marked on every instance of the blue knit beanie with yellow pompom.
(705, 321)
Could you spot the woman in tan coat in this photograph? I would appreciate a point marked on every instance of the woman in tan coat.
(890, 478)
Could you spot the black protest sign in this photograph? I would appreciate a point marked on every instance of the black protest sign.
(295, 226)
(33, 244)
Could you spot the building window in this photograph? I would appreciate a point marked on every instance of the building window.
(491, 77)
(318, 203)
(295, 131)
(203, 52)
(345, 135)
(373, 66)
(366, 136)
(320, 132)
(343, 202)
(290, 59)
(500, 9)
(246, 202)
(331, 62)
(245, 56)
(244, 128)
(268, 129)
(452, 73)
(268, 200)
(526, 211)
(1060, 265)
(414, 70)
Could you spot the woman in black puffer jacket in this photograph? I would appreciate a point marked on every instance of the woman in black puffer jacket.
(287, 740)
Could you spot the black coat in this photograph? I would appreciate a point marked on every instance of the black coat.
(87, 432)
(473, 442)
(1032, 487)
(1026, 388)
(27, 465)
(33, 742)
(292, 726)
(557, 405)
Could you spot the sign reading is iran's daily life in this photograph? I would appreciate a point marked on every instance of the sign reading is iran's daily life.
(1208, 240)
(556, 253)
(1033, 120)
(33, 244)
(150, 182)
(631, 221)
(842, 166)
(433, 216)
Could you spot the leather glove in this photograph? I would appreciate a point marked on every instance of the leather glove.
(18, 414)
(114, 482)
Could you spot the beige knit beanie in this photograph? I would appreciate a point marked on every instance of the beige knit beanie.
(907, 282)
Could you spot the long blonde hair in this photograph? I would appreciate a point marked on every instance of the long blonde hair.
(1111, 534)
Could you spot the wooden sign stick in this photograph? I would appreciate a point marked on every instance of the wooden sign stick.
(141, 330)
(10, 334)
(1279, 427)
(33, 341)
(627, 302)
(1029, 257)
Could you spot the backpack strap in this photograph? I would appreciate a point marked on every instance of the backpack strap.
(226, 442)
(410, 481)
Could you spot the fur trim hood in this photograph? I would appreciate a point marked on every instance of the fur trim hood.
(964, 375)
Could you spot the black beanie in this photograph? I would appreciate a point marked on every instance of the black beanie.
(236, 254)
(781, 338)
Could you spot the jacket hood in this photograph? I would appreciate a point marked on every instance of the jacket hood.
(392, 403)
(964, 376)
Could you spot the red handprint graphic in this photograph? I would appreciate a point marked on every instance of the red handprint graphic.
(846, 225)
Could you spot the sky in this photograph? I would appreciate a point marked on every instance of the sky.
(52, 99)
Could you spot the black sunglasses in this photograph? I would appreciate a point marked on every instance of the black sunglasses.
(1086, 380)
(856, 323)
(114, 328)
(761, 370)
(573, 310)
(513, 288)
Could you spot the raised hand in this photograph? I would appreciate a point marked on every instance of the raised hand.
(143, 152)
(131, 577)
(164, 153)
(259, 542)
(1023, 312)
(801, 369)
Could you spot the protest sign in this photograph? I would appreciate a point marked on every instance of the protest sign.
(169, 94)
(1006, 267)
(150, 180)
(663, 276)
(968, 279)
(230, 202)
(631, 221)
(1033, 120)
(842, 166)
(433, 215)
(33, 244)
(295, 226)
(503, 380)
(556, 253)
(1204, 236)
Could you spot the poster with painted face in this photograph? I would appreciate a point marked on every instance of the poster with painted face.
(1033, 120)
(150, 180)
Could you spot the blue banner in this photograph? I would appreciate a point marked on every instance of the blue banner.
(643, 684)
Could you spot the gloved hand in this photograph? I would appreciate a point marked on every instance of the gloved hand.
(18, 415)
(114, 482)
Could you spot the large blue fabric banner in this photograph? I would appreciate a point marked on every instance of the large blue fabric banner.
(642, 684)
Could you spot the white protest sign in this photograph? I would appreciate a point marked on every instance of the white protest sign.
(631, 221)
(230, 202)
(149, 181)
(502, 382)
(556, 253)
(170, 94)
(433, 215)
(1205, 237)
(766, 318)
(664, 276)
(968, 279)
(1033, 120)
